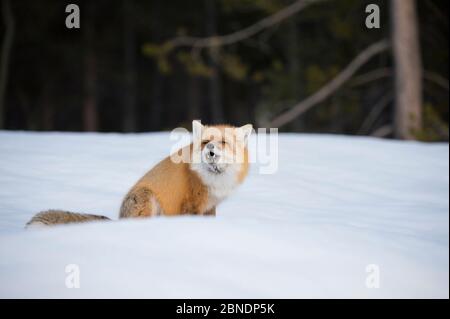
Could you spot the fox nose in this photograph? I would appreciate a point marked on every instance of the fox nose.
(210, 147)
(211, 153)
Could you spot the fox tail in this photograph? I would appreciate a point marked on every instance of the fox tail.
(58, 217)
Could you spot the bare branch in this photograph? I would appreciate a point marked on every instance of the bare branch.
(223, 40)
(383, 131)
(387, 72)
(375, 113)
(331, 86)
(371, 76)
(437, 79)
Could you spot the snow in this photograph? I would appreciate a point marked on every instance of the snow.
(335, 206)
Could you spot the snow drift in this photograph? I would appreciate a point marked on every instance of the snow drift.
(339, 211)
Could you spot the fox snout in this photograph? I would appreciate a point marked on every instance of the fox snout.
(212, 153)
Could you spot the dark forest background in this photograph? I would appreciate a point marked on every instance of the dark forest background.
(117, 73)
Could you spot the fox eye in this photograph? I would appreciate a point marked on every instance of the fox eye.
(205, 142)
(223, 143)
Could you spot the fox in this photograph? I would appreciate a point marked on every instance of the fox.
(191, 181)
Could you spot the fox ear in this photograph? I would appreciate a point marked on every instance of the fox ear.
(197, 130)
(246, 130)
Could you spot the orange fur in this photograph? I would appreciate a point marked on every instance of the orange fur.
(177, 189)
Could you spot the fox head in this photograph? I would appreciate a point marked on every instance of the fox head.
(220, 149)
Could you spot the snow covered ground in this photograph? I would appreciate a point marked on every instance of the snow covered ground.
(340, 214)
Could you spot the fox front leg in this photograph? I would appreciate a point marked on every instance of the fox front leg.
(211, 212)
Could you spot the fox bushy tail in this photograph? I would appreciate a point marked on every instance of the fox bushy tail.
(58, 217)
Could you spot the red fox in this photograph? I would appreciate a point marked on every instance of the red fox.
(193, 180)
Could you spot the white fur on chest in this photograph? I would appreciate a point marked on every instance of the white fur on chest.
(219, 186)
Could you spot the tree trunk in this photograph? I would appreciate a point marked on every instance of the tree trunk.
(47, 106)
(90, 116)
(215, 94)
(129, 105)
(194, 98)
(293, 62)
(157, 81)
(8, 20)
(408, 69)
